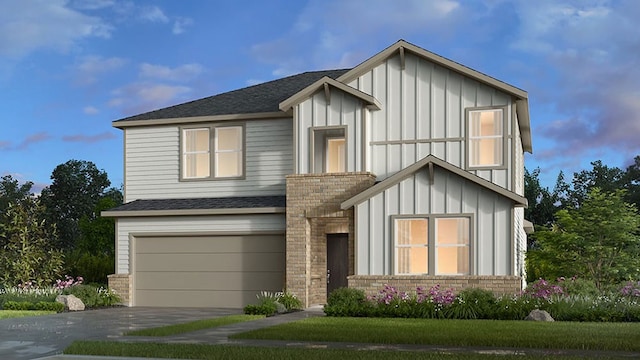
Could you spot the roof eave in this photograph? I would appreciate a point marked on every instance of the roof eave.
(371, 102)
(122, 124)
(192, 212)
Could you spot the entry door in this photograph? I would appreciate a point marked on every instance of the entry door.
(337, 261)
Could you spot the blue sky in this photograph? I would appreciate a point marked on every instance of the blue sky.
(69, 68)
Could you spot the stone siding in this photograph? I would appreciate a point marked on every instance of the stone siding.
(500, 285)
(313, 211)
(121, 284)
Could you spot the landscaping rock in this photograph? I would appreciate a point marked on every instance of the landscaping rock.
(539, 315)
(71, 302)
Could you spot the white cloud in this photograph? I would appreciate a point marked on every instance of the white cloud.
(180, 25)
(92, 4)
(326, 30)
(28, 26)
(89, 139)
(91, 67)
(90, 110)
(144, 96)
(181, 73)
(153, 14)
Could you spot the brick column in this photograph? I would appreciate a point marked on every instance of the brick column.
(312, 196)
(121, 284)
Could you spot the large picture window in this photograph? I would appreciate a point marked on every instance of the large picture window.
(213, 152)
(485, 143)
(432, 245)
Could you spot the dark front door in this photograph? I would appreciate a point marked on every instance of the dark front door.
(337, 261)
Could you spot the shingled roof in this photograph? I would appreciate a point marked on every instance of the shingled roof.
(259, 98)
(239, 202)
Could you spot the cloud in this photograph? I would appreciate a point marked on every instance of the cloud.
(89, 139)
(26, 142)
(181, 73)
(180, 25)
(327, 32)
(153, 14)
(144, 96)
(90, 110)
(92, 4)
(29, 26)
(91, 67)
(590, 49)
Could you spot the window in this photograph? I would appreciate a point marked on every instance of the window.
(486, 145)
(448, 241)
(226, 143)
(329, 150)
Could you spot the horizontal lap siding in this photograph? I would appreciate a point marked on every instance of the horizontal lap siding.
(449, 194)
(190, 225)
(152, 163)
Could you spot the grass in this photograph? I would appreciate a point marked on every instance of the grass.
(8, 314)
(493, 333)
(200, 351)
(193, 325)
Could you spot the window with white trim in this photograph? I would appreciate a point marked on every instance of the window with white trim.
(329, 150)
(432, 245)
(486, 138)
(213, 152)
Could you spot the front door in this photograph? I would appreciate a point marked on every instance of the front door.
(337, 261)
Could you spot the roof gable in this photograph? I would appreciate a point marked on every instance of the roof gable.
(326, 83)
(401, 46)
(430, 161)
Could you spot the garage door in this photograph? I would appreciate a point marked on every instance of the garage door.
(207, 271)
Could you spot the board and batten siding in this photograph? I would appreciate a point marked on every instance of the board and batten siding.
(423, 113)
(152, 163)
(247, 224)
(343, 110)
(449, 194)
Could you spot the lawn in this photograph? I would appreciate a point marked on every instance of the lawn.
(8, 314)
(535, 336)
(492, 333)
(200, 351)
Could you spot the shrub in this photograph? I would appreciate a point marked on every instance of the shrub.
(18, 305)
(347, 302)
(93, 296)
(472, 303)
(94, 268)
(542, 289)
(27, 292)
(289, 301)
(49, 306)
(578, 286)
(267, 309)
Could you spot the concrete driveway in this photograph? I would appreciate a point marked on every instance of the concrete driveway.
(39, 336)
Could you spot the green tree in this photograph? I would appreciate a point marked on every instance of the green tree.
(11, 192)
(597, 240)
(607, 179)
(542, 202)
(75, 191)
(27, 253)
(632, 182)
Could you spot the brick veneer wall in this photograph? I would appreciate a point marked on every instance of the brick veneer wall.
(121, 284)
(313, 210)
(372, 284)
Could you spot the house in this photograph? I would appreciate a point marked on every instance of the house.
(407, 169)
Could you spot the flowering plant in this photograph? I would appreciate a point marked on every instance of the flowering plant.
(68, 282)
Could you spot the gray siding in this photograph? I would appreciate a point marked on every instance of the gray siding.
(188, 225)
(450, 194)
(423, 112)
(315, 112)
(152, 163)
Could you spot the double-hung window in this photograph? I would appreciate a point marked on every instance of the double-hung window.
(485, 137)
(213, 152)
(329, 151)
(432, 245)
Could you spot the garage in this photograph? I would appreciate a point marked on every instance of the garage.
(206, 271)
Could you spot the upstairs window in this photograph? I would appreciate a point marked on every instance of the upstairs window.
(432, 245)
(329, 150)
(213, 152)
(486, 138)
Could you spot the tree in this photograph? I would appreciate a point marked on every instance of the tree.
(11, 192)
(632, 182)
(597, 241)
(542, 202)
(27, 253)
(76, 189)
(607, 179)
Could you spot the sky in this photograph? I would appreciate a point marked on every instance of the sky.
(68, 68)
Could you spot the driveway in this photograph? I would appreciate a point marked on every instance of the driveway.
(39, 336)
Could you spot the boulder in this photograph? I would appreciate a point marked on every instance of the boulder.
(71, 302)
(539, 315)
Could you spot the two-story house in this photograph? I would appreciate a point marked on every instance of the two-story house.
(407, 170)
